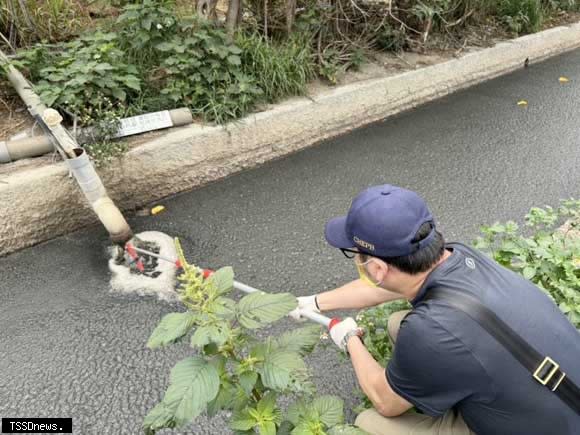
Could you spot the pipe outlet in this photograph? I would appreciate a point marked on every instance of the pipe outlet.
(93, 189)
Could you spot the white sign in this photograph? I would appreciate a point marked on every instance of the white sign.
(141, 123)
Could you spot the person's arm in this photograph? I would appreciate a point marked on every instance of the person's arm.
(354, 295)
(373, 381)
(372, 378)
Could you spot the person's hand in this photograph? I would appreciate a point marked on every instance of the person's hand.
(305, 303)
(339, 332)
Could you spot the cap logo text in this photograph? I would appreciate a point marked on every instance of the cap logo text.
(364, 244)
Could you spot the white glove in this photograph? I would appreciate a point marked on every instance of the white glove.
(339, 331)
(305, 303)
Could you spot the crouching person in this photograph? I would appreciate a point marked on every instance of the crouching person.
(482, 350)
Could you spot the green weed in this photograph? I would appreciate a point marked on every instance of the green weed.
(280, 69)
(25, 22)
(233, 370)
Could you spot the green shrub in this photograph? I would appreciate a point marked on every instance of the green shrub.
(105, 152)
(391, 39)
(279, 69)
(561, 5)
(549, 257)
(522, 16)
(88, 80)
(34, 59)
(185, 61)
(194, 65)
(143, 26)
(203, 70)
(99, 140)
(86, 73)
(233, 370)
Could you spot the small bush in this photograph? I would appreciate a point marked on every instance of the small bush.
(391, 39)
(561, 5)
(548, 257)
(203, 70)
(86, 73)
(522, 16)
(99, 140)
(105, 152)
(192, 64)
(143, 26)
(232, 370)
(88, 80)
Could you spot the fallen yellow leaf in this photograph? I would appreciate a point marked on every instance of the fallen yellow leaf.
(157, 209)
(522, 103)
(564, 79)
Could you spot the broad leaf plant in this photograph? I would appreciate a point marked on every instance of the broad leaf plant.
(232, 370)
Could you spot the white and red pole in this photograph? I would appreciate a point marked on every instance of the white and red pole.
(310, 315)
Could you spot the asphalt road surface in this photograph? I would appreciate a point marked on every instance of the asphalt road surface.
(71, 348)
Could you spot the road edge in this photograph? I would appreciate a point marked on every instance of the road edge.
(44, 203)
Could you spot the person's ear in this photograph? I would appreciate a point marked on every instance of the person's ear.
(382, 271)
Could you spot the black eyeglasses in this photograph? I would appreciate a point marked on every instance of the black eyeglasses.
(350, 253)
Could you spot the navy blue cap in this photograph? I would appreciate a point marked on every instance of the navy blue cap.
(382, 221)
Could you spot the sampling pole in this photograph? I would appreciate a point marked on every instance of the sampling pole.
(133, 252)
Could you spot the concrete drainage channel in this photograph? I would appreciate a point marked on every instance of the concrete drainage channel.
(40, 204)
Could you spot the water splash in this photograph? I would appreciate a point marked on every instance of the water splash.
(161, 283)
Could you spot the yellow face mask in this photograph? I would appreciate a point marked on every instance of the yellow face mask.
(362, 273)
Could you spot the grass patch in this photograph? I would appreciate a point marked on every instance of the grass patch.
(23, 23)
(279, 69)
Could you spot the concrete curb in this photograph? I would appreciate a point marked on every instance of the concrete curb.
(44, 203)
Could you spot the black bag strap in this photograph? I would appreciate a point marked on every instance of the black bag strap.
(544, 370)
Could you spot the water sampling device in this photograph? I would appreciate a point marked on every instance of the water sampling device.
(152, 256)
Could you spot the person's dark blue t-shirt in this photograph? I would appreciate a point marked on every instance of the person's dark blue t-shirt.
(443, 359)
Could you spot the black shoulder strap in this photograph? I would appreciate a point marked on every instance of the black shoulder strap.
(543, 369)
